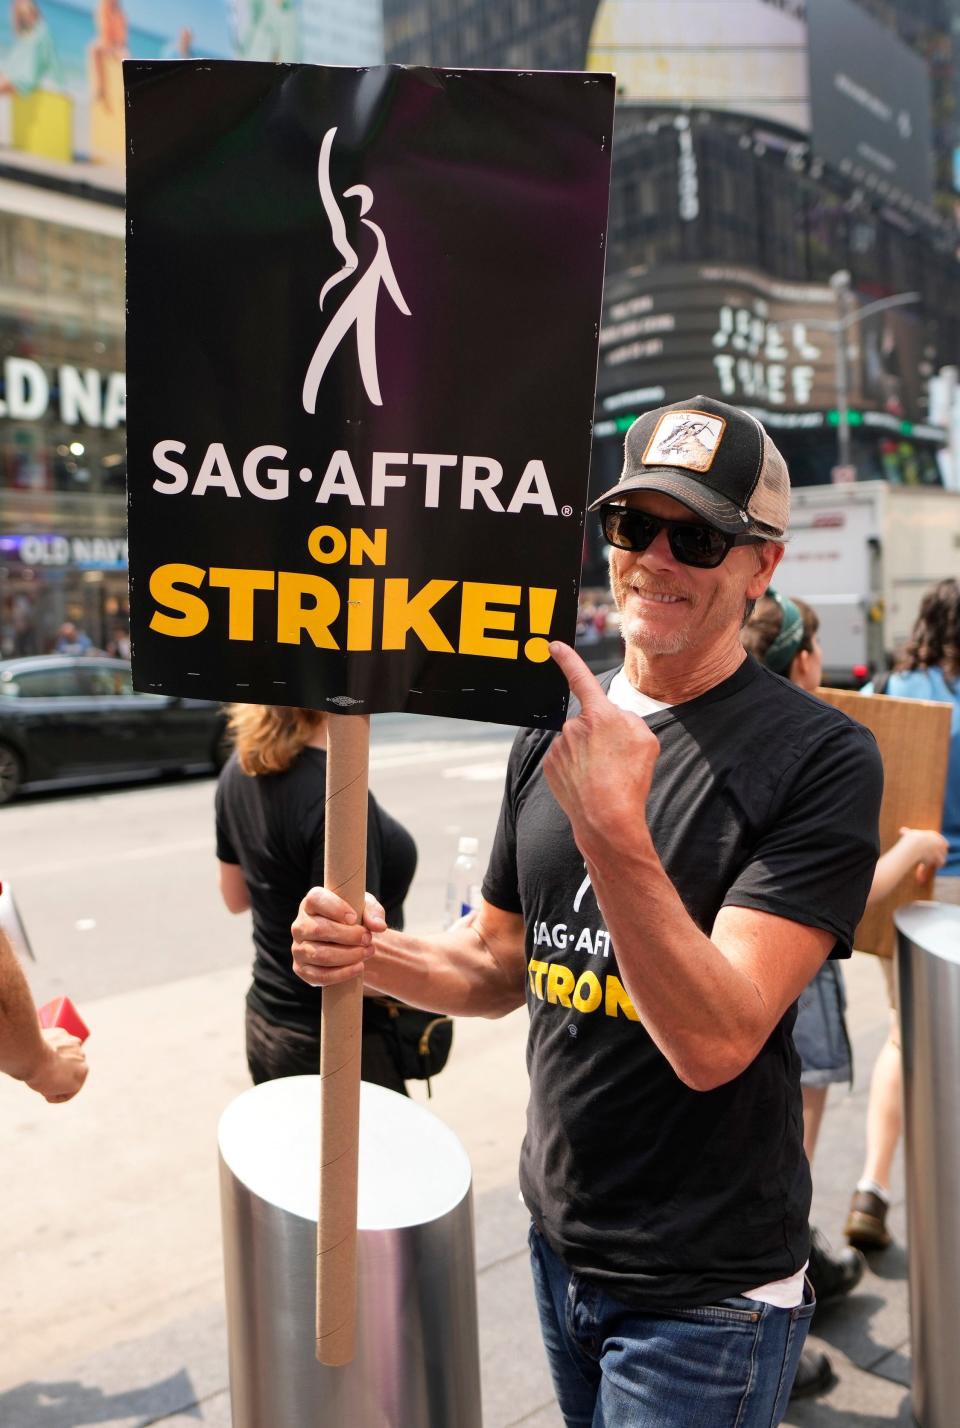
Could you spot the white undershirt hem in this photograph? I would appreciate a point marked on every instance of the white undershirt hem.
(782, 1293)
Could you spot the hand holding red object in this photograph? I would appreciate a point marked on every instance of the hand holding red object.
(61, 1012)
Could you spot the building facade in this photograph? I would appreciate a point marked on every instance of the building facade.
(62, 417)
(62, 385)
(780, 167)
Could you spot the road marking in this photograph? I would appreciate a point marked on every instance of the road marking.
(128, 855)
(399, 756)
(479, 773)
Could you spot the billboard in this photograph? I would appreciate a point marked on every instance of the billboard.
(748, 56)
(61, 89)
(824, 68)
(870, 101)
(725, 331)
(752, 340)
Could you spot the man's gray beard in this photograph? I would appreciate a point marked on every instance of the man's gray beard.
(664, 645)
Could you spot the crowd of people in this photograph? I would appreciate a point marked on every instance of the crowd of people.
(706, 828)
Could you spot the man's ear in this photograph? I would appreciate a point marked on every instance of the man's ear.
(798, 666)
(769, 556)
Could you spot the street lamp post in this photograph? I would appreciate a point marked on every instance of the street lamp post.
(840, 282)
(846, 318)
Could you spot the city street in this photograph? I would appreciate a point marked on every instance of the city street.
(353, 354)
(112, 1304)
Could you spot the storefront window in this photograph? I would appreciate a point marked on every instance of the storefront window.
(61, 357)
(62, 434)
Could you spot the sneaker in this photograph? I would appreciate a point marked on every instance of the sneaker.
(814, 1373)
(866, 1226)
(832, 1275)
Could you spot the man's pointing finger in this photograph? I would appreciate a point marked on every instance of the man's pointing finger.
(582, 681)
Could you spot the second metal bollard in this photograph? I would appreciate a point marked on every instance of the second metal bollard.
(929, 980)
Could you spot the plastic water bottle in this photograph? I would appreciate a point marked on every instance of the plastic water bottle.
(463, 885)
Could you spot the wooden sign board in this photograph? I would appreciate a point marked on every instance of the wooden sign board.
(914, 740)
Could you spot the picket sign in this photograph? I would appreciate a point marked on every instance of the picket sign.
(341, 1014)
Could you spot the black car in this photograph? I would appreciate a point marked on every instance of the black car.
(66, 719)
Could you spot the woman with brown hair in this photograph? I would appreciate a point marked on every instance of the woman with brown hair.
(270, 839)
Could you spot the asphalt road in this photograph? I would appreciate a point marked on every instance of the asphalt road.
(117, 886)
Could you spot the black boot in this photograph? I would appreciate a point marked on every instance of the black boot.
(814, 1373)
(832, 1275)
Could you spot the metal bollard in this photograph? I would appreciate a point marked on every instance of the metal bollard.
(417, 1362)
(929, 982)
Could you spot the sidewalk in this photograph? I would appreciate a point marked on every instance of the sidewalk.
(112, 1262)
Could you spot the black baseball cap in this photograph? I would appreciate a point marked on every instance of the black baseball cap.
(717, 460)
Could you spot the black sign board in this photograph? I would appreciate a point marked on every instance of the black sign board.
(870, 102)
(363, 312)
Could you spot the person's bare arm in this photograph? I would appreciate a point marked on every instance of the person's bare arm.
(476, 968)
(233, 887)
(709, 1003)
(51, 1062)
(917, 850)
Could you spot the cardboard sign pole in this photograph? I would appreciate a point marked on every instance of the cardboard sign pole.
(345, 865)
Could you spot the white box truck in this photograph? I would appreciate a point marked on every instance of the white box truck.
(862, 555)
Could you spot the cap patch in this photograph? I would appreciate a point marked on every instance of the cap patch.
(687, 439)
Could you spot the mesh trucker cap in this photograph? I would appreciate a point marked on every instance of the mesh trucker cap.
(715, 459)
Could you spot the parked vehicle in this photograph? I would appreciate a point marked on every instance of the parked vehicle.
(862, 555)
(79, 720)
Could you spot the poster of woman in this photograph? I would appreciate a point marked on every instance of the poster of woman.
(61, 60)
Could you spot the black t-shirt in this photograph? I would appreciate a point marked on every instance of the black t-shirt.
(763, 797)
(272, 825)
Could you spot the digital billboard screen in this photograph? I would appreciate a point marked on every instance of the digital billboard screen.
(870, 101)
(737, 334)
(747, 56)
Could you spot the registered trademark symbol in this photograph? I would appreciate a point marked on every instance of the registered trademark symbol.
(566, 510)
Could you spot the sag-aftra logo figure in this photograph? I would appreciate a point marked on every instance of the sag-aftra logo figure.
(359, 308)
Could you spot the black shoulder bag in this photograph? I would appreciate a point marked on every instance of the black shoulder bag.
(422, 1038)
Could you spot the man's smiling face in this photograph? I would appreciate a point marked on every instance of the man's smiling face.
(667, 608)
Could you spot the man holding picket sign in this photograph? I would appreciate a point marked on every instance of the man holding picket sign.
(669, 872)
(363, 313)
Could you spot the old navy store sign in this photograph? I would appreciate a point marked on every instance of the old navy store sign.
(58, 551)
(84, 397)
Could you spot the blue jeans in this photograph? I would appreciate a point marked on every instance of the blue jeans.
(728, 1365)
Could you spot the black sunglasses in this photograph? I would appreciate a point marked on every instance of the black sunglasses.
(691, 542)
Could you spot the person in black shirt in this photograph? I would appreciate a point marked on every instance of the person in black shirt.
(270, 824)
(669, 872)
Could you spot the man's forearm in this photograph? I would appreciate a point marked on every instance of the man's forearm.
(22, 1048)
(461, 972)
(705, 1015)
